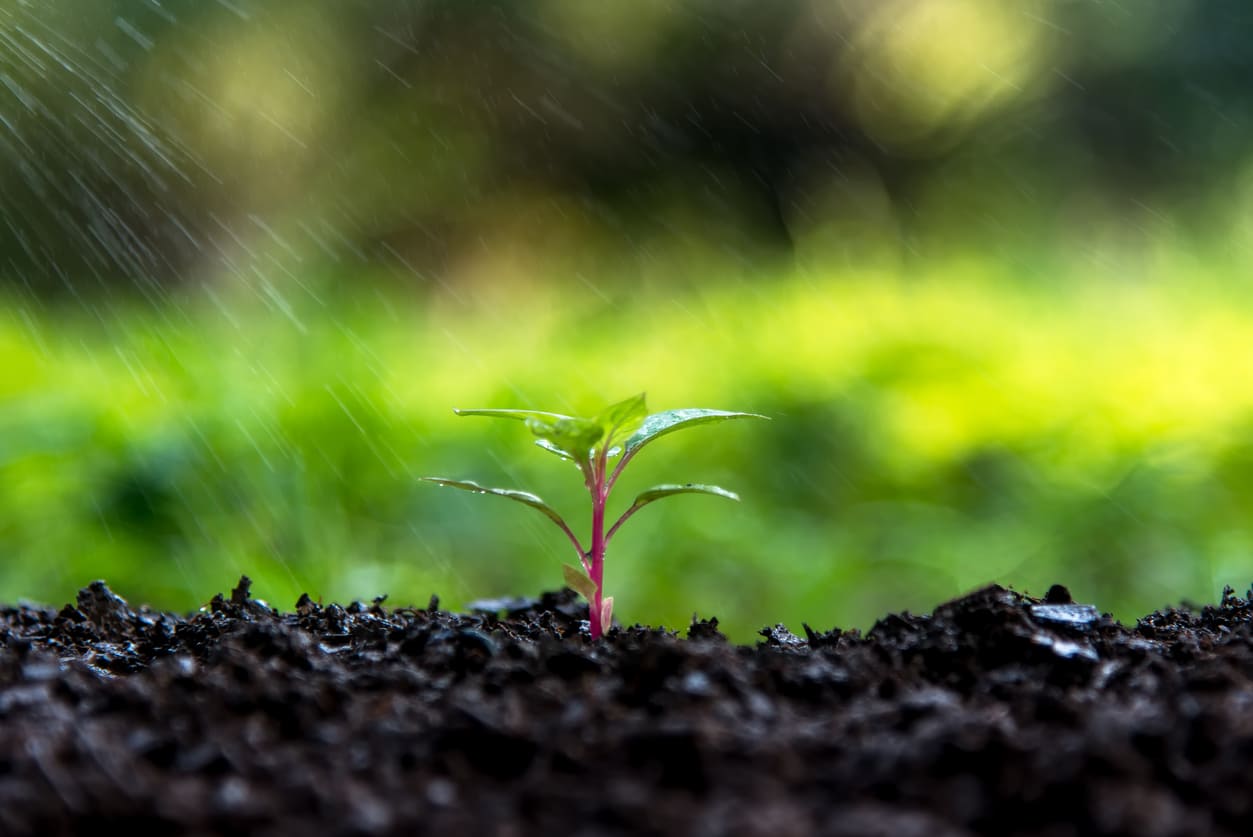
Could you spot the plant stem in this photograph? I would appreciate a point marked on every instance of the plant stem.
(600, 494)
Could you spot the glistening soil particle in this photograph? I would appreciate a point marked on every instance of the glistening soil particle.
(997, 714)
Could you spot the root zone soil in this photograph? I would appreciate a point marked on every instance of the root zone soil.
(996, 714)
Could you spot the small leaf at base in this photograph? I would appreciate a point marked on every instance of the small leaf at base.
(606, 615)
(578, 581)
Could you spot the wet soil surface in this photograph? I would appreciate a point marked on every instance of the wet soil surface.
(996, 714)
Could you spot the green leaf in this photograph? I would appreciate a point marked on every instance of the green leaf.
(520, 415)
(524, 497)
(548, 421)
(622, 419)
(579, 581)
(659, 491)
(659, 424)
(575, 437)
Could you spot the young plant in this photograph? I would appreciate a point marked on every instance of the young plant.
(617, 432)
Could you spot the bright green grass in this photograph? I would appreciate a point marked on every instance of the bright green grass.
(929, 436)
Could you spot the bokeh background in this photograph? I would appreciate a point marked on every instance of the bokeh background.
(985, 262)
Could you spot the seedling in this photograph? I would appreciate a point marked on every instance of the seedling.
(616, 432)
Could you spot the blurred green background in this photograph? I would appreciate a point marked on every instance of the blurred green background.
(985, 262)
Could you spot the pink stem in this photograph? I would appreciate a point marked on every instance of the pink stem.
(597, 574)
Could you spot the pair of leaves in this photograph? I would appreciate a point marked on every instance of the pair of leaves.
(621, 428)
(528, 499)
(572, 437)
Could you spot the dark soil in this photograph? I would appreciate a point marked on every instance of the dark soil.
(997, 714)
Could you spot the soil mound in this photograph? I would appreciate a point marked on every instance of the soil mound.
(996, 714)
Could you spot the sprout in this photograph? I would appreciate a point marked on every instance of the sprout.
(616, 433)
